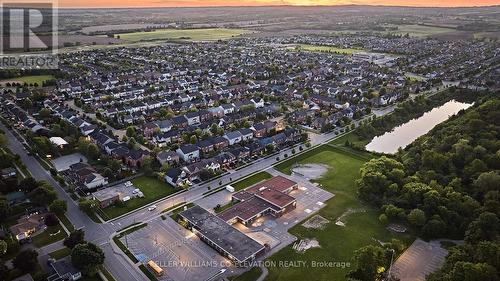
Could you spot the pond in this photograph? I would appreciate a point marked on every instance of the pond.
(405, 134)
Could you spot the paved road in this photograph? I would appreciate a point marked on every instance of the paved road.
(116, 262)
(97, 233)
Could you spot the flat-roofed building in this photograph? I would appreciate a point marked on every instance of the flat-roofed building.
(269, 197)
(221, 236)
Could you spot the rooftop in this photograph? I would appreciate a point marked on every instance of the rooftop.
(231, 240)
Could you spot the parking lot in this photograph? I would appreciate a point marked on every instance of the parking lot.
(180, 253)
(420, 259)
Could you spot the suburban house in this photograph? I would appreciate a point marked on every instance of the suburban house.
(233, 137)
(246, 134)
(176, 177)
(64, 270)
(27, 225)
(84, 175)
(188, 152)
(168, 157)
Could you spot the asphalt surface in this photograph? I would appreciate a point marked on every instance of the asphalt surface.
(116, 262)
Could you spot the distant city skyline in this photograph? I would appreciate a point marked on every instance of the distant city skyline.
(215, 3)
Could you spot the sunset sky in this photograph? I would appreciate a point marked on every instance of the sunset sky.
(194, 3)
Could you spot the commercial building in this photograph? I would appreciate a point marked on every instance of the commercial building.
(270, 197)
(221, 236)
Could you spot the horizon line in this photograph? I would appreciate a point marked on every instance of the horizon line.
(281, 5)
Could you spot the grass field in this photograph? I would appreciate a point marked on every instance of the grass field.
(66, 223)
(204, 34)
(251, 180)
(415, 30)
(39, 79)
(329, 49)
(337, 243)
(61, 253)
(153, 190)
(48, 236)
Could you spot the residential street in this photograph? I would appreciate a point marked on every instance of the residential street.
(116, 262)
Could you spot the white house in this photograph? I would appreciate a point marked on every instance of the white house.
(246, 134)
(233, 137)
(188, 152)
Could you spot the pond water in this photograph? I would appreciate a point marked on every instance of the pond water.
(405, 134)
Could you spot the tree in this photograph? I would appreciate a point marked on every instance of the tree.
(28, 184)
(43, 195)
(485, 227)
(87, 257)
(5, 209)
(51, 219)
(130, 132)
(147, 165)
(132, 143)
(59, 207)
(193, 139)
(417, 217)
(3, 247)
(76, 237)
(370, 262)
(93, 151)
(86, 205)
(383, 219)
(487, 181)
(26, 260)
(44, 113)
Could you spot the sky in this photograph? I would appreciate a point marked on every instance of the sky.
(205, 3)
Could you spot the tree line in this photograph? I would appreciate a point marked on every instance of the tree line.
(444, 185)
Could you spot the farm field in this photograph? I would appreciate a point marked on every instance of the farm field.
(337, 243)
(38, 79)
(415, 30)
(329, 49)
(153, 190)
(205, 34)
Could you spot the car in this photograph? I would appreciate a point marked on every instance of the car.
(152, 208)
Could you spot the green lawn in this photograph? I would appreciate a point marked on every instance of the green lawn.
(61, 253)
(49, 236)
(66, 223)
(247, 182)
(107, 274)
(329, 49)
(202, 34)
(39, 79)
(352, 139)
(153, 190)
(337, 242)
